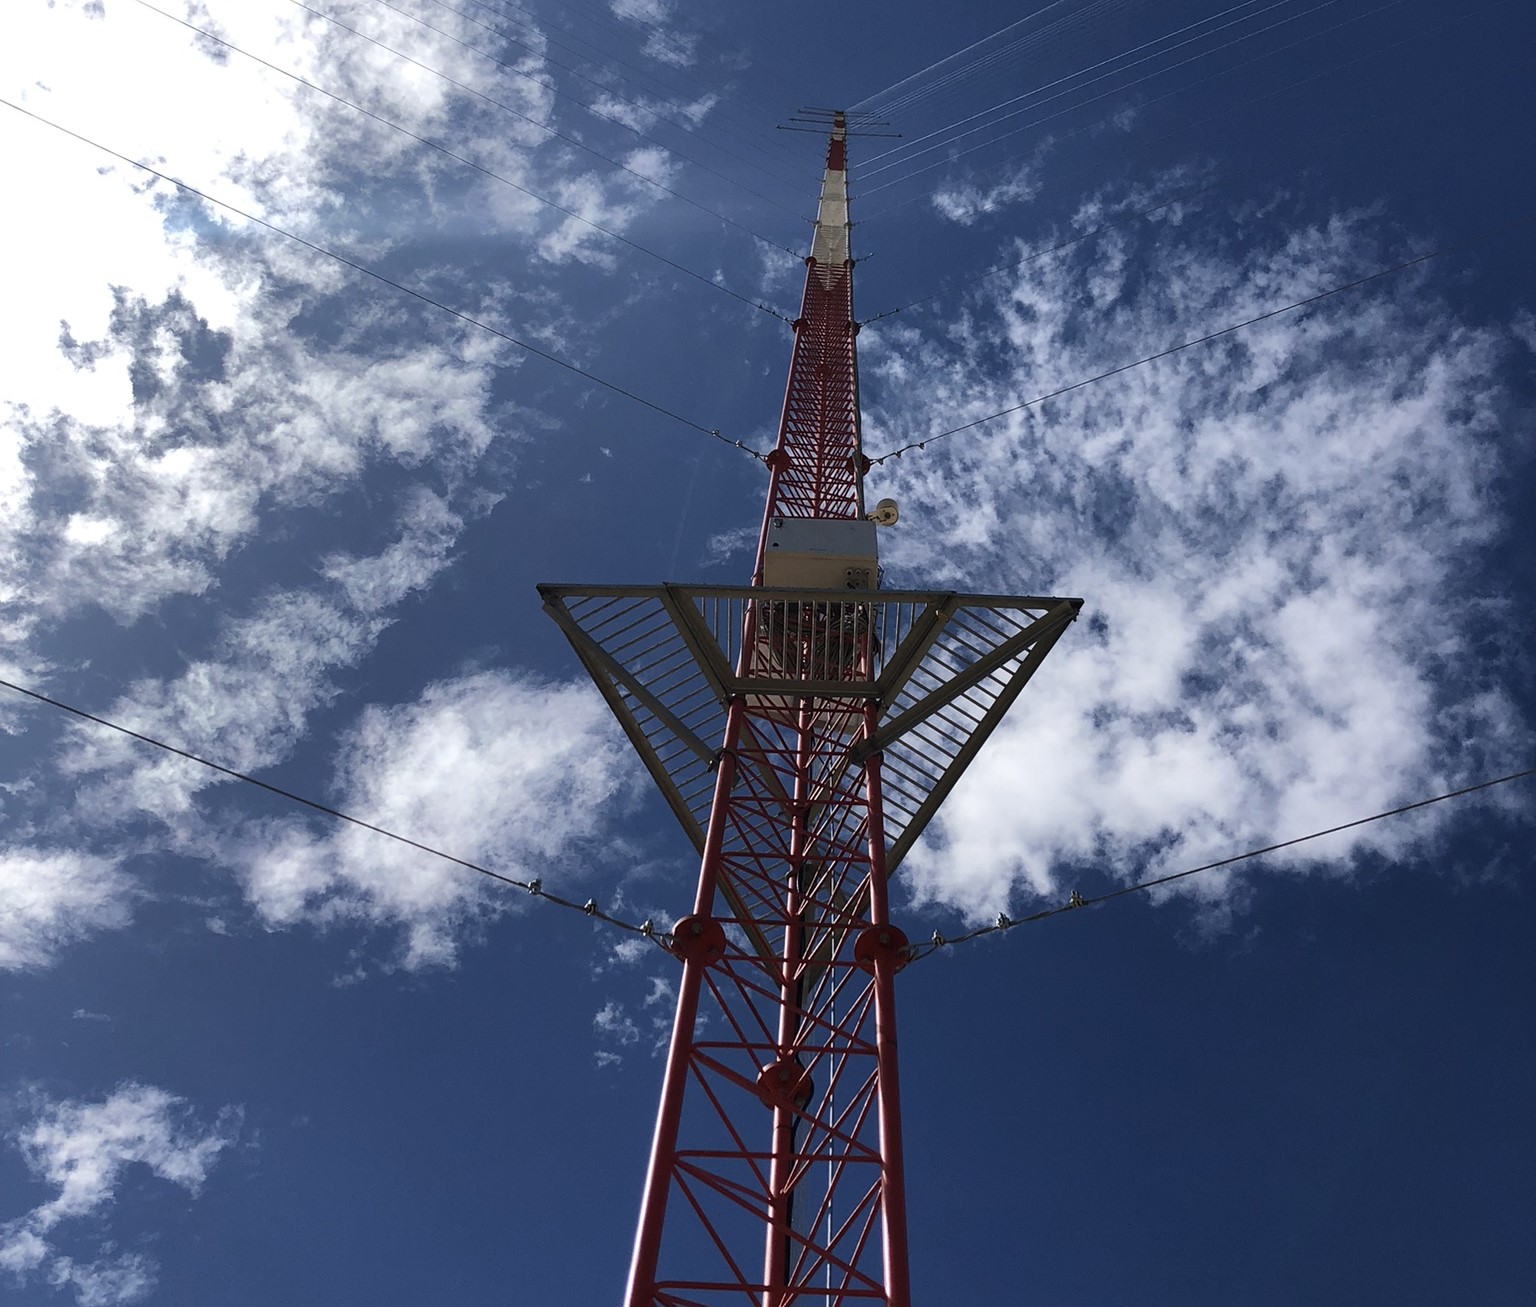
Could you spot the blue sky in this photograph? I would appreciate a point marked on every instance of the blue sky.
(284, 515)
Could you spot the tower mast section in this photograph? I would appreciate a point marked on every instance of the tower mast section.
(799, 1041)
(817, 463)
(844, 714)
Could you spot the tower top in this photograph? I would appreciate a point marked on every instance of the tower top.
(830, 245)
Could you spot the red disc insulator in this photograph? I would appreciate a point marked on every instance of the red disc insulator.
(699, 939)
(785, 1084)
(881, 942)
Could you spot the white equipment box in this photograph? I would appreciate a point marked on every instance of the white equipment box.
(816, 553)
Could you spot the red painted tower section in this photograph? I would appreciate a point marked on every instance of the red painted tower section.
(816, 462)
(804, 730)
(776, 1173)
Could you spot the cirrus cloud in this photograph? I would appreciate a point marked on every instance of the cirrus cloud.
(1279, 536)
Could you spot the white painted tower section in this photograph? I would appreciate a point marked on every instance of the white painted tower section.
(830, 246)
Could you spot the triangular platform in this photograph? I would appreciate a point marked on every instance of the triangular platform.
(947, 668)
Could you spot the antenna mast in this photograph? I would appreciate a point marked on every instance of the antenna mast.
(844, 714)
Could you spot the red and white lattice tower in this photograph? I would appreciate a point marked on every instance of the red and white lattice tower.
(804, 730)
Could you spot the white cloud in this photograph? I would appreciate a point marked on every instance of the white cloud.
(245, 709)
(514, 772)
(82, 1150)
(178, 395)
(663, 993)
(643, 112)
(642, 11)
(168, 401)
(612, 1023)
(965, 202)
(50, 899)
(604, 202)
(731, 546)
(663, 42)
(123, 516)
(652, 1025)
(106, 1282)
(1277, 537)
(247, 706)
(680, 49)
(375, 584)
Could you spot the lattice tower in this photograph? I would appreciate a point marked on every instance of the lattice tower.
(804, 729)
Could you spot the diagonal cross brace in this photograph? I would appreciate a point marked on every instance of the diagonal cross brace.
(1052, 623)
(947, 782)
(593, 653)
(622, 680)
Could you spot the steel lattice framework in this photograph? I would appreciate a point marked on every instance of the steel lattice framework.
(803, 738)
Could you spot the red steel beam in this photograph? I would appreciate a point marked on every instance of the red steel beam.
(796, 1048)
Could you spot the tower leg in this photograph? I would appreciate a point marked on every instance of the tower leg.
(894, 1184)
(658, 1178)
(785, 1123)
(653, 1206)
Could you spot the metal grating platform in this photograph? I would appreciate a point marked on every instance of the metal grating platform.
(947, 667)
